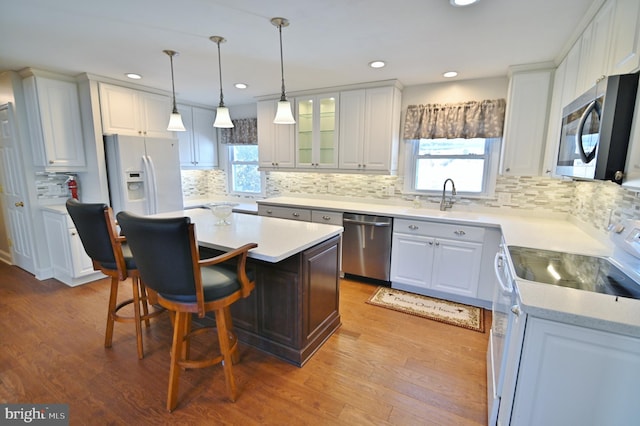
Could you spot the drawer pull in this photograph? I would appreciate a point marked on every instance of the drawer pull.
(459, 233)
(269, 211)
(413, 227)
(295, 214)
(325, 217)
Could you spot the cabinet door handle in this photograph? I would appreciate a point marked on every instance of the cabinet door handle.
(413, 227)
(19, 204)
(430, 243)
(437, 243)
(459, 233)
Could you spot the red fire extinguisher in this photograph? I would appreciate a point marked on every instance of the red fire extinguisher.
(72, 184)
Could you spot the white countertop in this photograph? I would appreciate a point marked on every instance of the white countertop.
(522, 230)
(277, 239)
(569, 305)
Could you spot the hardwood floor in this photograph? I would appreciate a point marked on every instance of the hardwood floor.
(381, 366)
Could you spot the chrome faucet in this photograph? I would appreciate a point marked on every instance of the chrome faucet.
(444, 203)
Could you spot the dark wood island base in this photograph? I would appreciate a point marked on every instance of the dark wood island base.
(295, 306)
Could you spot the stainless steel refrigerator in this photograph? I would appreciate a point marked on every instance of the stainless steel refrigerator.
(144, 174)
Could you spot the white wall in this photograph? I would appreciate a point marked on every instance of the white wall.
(455, 91)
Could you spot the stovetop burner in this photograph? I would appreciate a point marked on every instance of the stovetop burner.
(589, 273)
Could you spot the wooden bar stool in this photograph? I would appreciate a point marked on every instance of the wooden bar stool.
(110, 254)
(168, 259)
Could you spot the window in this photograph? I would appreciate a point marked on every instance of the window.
(471, 163)
(242, 173)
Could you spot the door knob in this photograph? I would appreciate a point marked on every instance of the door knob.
(19, 204)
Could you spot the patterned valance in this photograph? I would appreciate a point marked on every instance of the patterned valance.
(244, 132)
(484, 119)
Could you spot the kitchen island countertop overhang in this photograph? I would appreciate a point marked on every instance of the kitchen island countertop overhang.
(277, 239)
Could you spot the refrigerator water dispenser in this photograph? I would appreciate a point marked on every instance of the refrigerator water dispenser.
(135, 186)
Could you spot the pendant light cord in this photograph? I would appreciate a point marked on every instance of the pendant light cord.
(173, 86)
(283, 96)
(220, 74)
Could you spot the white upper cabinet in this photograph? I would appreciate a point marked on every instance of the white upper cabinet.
(625, 50)
(596, 40)
(526, 122)
(317, 131)
(198, 145)
(133, 112)
(555, 121)
(370, 129)
(55, 123)
(276, 142)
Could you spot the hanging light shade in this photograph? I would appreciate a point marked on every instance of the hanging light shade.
(175, 121)
(222, 114)
(283, 114)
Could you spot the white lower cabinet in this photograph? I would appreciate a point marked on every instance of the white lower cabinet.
(70, 263)
(572, 375)
(436, 256)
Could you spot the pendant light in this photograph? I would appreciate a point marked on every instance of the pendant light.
(175, 121)
(283, 114)
(222, 114)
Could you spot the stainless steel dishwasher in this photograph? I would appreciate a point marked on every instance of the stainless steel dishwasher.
(366, 246)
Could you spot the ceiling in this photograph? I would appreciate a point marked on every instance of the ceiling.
(328, 42)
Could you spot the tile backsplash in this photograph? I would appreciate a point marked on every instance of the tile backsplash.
(596, 203)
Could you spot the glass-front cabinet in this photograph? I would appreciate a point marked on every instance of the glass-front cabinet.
(317, 131)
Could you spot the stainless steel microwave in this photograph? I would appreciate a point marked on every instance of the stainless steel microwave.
(596, 128)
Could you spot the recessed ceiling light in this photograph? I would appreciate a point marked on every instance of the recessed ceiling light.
(450, 74)
(377, 64)
(240, 86)
(460, 3)
(133, 76)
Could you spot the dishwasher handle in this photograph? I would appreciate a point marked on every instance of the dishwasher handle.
(362, 222)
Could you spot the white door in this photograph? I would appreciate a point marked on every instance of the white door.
(456, 267)
(411, 260)
(13, 193)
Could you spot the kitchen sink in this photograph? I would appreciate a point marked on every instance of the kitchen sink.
(588, 273)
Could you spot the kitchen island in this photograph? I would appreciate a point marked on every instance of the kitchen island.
(295, 306)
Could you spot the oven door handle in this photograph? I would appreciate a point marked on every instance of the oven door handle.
(499, 262)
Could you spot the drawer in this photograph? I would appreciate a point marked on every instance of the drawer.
(321, 216)
(285, 212)
(439, 230)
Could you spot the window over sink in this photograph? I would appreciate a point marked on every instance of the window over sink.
(471, 163)
(243, 176)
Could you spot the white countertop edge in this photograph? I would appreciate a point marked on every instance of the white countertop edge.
(606, 312)
(284, 255)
